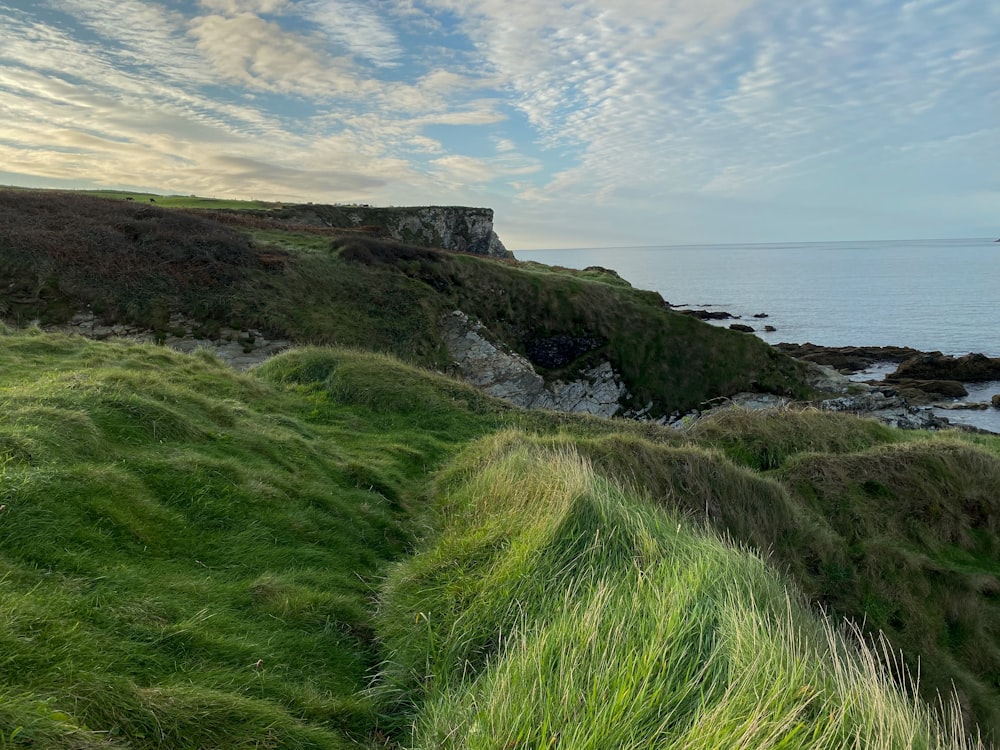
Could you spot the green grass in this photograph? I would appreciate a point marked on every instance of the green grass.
(191, 557)
(187, 555)
(556, 609)
(62, 253)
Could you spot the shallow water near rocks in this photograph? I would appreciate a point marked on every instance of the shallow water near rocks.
(932, 295)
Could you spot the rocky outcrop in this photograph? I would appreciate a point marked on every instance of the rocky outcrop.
(240, 349)
(553, 352)
(848, 358)
(505, 374)
(707, 314)
(971, 368)
(459, 228)
(887, 407)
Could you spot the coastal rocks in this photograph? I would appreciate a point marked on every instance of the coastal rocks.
(847, 358)
(995, 401)
(826, 379)
(887, 407)
(925, 391)
(740, 327)
(708, 314)
(970, 368)
(507, 375)
(240, 349)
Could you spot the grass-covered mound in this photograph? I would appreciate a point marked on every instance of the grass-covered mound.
(188, 556)
(191, 557)
(556, 609)
(61, 253)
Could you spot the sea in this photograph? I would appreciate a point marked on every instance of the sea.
(932, 295)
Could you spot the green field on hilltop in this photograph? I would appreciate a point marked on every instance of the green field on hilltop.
(338, 549)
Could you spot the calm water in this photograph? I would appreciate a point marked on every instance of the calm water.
(933, 295)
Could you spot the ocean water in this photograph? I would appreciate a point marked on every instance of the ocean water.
(932, 295)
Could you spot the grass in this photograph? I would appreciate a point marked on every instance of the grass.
(63, 253)
(188, 556)
(191, 557)
(558, 609)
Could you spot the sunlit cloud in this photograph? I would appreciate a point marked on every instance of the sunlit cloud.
(664, 109)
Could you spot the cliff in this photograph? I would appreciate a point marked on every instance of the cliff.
(459, 228)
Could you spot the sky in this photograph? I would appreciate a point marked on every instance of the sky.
(582, 124)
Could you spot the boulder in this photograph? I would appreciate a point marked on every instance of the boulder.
(970, 368)
(741, 327)
(935, 388)
(708, 314)
(996, 396)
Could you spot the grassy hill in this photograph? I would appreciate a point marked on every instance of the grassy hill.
(343, 548)
(191, 557)
(65, 252)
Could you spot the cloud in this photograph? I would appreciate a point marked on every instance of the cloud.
(254, 52)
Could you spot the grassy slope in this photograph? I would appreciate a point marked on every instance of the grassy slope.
(190, 558)
(63, 252)
(166, 524)
(557, 610)
(187, 555)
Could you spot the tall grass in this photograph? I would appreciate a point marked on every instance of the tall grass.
(557, 610)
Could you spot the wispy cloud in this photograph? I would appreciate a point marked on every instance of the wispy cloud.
(661, 108)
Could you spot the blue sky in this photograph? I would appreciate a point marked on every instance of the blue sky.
(582, 124)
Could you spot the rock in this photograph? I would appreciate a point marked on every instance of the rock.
(847, 358)
(996, 397)
(708, 314)
(770, 329)
(970, 368)
(933, 388)
(888, 408)
(460, 228)
(741, 327)
(558, 351)
(761, 315)
(826, 379)
(869, 401)
(505, 374)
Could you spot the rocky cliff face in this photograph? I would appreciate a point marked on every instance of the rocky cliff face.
(459, 228)
(504, 374)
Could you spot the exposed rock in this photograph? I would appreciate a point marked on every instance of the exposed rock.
(996, 397)
(970, 368)
(929, 390)
(740, 327)
(240, 349)
(460, 228)
(770, 329)
(847, 358)
(559, 351)
(761, 315)
(708, 314)
(507, 375)
(826, 379)
(888, 408)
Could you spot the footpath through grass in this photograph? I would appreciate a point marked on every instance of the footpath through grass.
(187, 555)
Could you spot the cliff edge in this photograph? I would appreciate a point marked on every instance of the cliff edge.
(459, 228)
